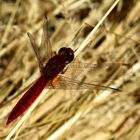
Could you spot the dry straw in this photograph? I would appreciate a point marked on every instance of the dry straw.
(70, 122)
(96, 114)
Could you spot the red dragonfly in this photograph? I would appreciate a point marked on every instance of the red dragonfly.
(52, 70)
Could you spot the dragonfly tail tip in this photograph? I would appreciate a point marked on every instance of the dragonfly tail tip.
(8, 121)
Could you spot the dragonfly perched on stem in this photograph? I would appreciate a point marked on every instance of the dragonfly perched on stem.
(51, 74)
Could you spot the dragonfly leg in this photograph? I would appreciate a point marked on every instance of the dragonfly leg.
(51, 83)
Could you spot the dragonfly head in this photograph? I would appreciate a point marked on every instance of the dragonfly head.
(68, 52)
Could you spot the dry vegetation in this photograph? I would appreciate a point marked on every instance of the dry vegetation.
(73, 114)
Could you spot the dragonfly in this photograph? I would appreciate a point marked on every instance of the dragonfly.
(51, 74)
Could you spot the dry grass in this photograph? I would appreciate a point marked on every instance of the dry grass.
(73, 114)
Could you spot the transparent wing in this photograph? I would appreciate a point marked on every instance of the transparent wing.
(71, 77)
(96, 65)
(45, 40)
(75, 69)
(35, 48)
(68, 83)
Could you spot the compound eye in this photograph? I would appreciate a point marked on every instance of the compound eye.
(70, 55)
(62, 50)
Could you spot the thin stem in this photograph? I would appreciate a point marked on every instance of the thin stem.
(88, 38)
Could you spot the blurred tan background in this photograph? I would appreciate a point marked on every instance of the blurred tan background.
(93, 114)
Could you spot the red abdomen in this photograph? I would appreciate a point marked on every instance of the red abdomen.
(27, 99)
